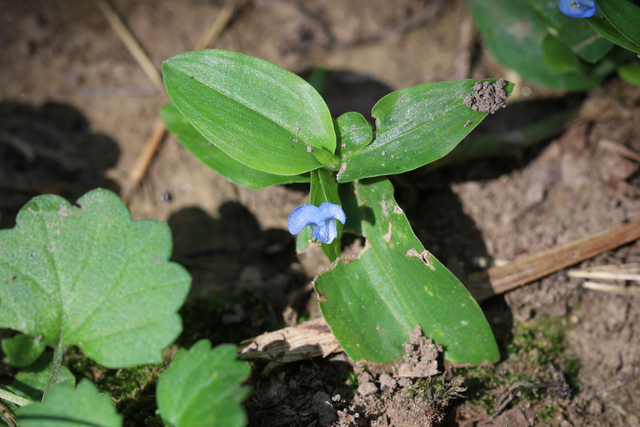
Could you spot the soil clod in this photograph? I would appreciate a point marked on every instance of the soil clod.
(487, 97)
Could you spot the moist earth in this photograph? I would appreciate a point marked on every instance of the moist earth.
(77, 110)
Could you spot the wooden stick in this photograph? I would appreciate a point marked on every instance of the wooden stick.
(308, 339)
(158, 132)
(498, 280)
(606, 275)
(627, 268)
(131, 43)
(612, 289)
(616, 147)
(215, 30)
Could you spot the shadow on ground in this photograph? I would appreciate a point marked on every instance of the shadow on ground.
(49, 150)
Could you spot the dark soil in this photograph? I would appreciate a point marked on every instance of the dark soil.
(81, 109)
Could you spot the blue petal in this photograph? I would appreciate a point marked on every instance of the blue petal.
(301, 217)
(326, 232)
(328, 211)
(577, 8)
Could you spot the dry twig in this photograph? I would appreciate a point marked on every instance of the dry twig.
(131, 43)
(616, 147)
(158, 131)
(612, 289)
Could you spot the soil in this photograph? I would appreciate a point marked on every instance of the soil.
(81, 109)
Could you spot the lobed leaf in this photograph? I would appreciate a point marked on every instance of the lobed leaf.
(65, 405)
(32, 381)
(22, 350)
(215, 158)
(201, 387)
(373, 302)
(87, 275)
(259, 114)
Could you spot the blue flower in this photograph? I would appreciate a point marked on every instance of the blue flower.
(578, 8)
(321, 218)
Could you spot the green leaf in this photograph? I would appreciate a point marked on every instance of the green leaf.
(67, 406)
(373, 302)
(256, 112)
(624, 19)
(630, 73)
(351, 208)
(576, 34)
(415, 126)
(324, 188)
(318, 79)
(22, 350)
(31, 382)
(608, 31)
(513, 32)
(558, 56)
(87, 275)
(201, 387)
(217, 160)
(354, 132)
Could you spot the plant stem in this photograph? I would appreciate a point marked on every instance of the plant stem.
(14, 398)
(56, 364)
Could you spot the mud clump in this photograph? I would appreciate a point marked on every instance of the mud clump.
(421, 356)
(487, 97)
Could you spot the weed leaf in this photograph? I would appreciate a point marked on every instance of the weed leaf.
(87, 275)
(65, 405)
(201, 387)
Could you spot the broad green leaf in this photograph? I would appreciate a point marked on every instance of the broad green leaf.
(31, 382)
(415, 126)
(67, 406)
(354, 133)
(630, 73)
(513, 32)
(624, 17)
(254, 111)
(558, 56)
(22, 350)
(324, 188)
(576, 34)
(608, 31)
(373, 302)
(201, 387)
(215, 158)
(87, 275)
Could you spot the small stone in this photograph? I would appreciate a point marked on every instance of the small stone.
(365, 389)
(323, 408)
(387, 382)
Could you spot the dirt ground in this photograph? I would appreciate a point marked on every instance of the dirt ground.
(570, 356)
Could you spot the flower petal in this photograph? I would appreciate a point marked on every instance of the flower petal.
(326, 232)
(331, 211)
(577, 8)
(302, 216)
